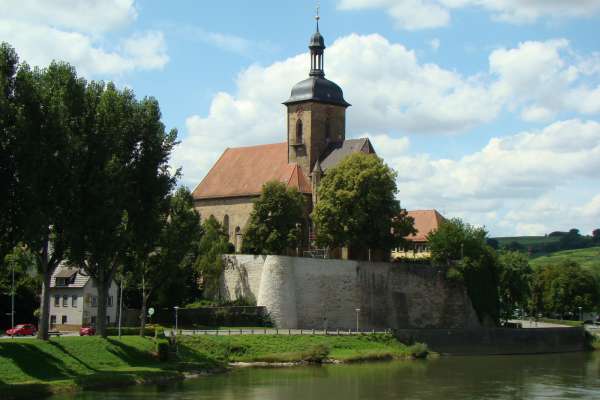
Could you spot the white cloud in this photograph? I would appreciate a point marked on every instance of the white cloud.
(79, 15)
(421, 14)
(73, 31)
(592, 208)
(434, 44)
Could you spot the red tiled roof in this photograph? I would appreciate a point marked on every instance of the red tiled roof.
(426, 221)
(242, 171)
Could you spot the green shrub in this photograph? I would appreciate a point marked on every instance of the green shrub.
(131, 331)
(419, 350)
(162, 349)
(316, 354)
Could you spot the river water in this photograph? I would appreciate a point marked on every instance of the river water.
(560, 376)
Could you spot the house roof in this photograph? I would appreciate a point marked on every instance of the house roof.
(426, 221)
(65, 271)
(242, 171)
(340, 150)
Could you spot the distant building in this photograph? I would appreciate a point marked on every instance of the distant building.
(74, 300)
(426, 221)
(316, 142)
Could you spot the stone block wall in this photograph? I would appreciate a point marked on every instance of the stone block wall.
(314, 293)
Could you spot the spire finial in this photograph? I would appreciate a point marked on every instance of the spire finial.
(317, 18)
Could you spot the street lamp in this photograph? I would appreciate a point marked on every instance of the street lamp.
(580, 313)
(176, 325)
(12, 298)
(357, 313)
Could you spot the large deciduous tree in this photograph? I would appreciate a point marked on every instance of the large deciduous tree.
(212, 246)
(462, 247)
(50, 120)
(560, 289)
(125, 179)
(276, 221)
(357, 206)
(173, 249)
(514, 281)
(8, 136)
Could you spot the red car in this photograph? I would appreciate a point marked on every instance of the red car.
(87, 331)
(22, 330)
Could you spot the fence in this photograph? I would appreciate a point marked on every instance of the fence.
(272, 331)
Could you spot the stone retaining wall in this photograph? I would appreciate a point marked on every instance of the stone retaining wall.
(312, 293)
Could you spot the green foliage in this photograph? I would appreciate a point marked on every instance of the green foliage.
(162, 349)
(209, 265)
(286, 348)
(26, 286)
(463, 247)
(276, 220)
(515, 278)
(358, 208)
(559, 289)
(419, 350)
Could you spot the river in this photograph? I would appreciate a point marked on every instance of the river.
(559, 376)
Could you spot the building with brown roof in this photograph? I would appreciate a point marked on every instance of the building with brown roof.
(316, 141)
(426, 221)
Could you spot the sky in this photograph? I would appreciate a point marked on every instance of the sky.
(489, 110)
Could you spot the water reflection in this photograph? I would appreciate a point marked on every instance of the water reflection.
(561, 376)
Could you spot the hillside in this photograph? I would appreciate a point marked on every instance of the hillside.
(588, 258)
(527, 240)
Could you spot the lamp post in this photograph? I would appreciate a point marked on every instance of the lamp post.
(120, 306)
(176, 322)
(12, 298)
(357, 314)
(580, 313)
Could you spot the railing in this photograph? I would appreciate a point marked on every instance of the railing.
(273, 331)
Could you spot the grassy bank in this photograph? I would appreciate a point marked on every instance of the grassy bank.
(284, 348)
(30, 368)
(588, 258)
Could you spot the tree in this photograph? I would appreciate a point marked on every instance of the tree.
(26, 287)
(596, 236)
(50, 113)
(125, 177)
(514, 280)
(174, 248)
(357, 206)
(209, 265)
(276, 220)
(462, 247)
(8, 136)
(564, 287)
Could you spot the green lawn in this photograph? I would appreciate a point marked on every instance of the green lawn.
(588, 258)
(284, 348)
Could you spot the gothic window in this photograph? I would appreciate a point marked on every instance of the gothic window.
(226, 224)
(299, 138)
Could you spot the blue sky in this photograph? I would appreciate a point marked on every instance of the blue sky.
(488, 109)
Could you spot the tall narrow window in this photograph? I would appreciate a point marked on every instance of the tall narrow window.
(299, 138)
(327, 131)
(226, 224)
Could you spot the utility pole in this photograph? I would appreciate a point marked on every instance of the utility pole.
(12, 298)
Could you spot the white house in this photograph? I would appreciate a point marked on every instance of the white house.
(74, 300)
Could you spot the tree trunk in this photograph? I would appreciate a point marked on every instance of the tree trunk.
(102, 296)
(143, 309)
(45, 308)
(45, 298)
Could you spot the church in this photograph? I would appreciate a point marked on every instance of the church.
(316, 142)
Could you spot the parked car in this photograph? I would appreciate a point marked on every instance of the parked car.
(22, 330)
(87, 331)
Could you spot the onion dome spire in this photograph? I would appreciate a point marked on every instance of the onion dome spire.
(317, 49)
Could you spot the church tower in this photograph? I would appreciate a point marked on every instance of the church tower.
(316, 111)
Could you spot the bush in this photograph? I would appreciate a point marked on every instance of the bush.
(419, 350)
(133, 331)
(316, 354)
(162, 349)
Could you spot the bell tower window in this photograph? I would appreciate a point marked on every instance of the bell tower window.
(299, 134)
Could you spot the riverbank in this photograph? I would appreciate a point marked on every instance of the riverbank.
(30, 368)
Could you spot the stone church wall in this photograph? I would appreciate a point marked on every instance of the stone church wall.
(314, 293)
(237, 208)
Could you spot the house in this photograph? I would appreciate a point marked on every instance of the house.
(316, 142)
(74, 300)
(426, 221)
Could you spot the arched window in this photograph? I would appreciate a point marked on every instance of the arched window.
(327, 131)
(226, 224)
(299, 138)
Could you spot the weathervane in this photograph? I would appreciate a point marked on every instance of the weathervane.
(317, 18)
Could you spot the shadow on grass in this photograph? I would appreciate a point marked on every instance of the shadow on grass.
(71, 355)
(34, 362)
